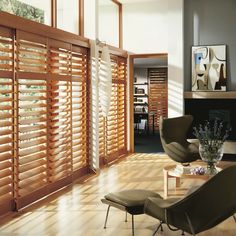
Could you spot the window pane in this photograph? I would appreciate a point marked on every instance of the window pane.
(68, 15)
(89, 19)
(109, 22)
(36, 10)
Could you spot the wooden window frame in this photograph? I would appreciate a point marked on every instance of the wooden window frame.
(81, 18)
(120, 9)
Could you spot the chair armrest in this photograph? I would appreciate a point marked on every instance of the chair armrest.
(162, 203)
(156, 207)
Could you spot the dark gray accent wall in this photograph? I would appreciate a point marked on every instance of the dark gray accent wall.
(209, 22)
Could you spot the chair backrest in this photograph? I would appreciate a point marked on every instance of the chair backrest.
(175, 129)
(209, 205)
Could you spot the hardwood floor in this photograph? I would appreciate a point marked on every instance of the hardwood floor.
(78, 211)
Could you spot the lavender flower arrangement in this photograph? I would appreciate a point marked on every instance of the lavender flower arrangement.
(210, 135)
(199, 170)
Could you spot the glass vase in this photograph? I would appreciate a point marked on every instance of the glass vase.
(211, 155)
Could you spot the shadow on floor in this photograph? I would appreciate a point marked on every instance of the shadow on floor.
(147, 143)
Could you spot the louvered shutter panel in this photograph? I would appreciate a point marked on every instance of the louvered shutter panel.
(32, 139)
(60, 160)
(111, 120)
(6, 119)
(43, 116)
(6, 49)
(102, 133)
(31, 107)
(79, 108)
(157, 95)
(113, 127)
(122, 106)
(32, 53)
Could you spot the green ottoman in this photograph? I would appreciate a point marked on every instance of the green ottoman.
(131, 201)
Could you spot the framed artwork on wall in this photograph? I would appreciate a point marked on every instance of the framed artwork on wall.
(209, 68)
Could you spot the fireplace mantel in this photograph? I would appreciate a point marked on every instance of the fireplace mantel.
(210, 95)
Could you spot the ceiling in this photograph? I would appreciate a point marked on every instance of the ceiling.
(150, 62)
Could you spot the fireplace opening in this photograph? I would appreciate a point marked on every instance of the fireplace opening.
(210, 109)
(221, 116)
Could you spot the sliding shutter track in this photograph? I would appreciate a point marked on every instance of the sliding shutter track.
(31, 115)
(6, 119)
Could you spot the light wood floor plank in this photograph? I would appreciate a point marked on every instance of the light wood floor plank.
(78, 211)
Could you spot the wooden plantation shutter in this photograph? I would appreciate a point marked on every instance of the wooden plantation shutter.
(113, 127)
(50, 116)
(6, 119)
(32, 136)
(31, 106)
(60, 155)
(43, 116)
(122, 106)
(102, 133)
(157, 95)
(80, 121)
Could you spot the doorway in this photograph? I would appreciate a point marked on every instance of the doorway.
(148, 78)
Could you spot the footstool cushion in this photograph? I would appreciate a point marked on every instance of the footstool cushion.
(131, 201)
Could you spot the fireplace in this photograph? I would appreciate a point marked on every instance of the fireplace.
(209, 109)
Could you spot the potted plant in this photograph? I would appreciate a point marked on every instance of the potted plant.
(211, 136)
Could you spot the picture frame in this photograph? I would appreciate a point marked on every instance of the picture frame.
(209, 68)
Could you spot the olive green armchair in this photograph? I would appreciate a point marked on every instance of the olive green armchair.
(173, 132)
(202, 209)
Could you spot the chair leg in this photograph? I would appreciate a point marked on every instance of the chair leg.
(158, 227)
(182, 233)
(190, 225)
(161, 222)
(105, 225)
(126, 216)
(132, 225)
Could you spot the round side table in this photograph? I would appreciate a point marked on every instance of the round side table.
(170, 171)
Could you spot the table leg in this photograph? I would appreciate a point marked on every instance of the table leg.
(166, 179)
(177, 183)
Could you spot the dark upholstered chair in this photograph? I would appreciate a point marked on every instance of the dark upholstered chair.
(173, 133)
(202, 209)
(131, 201)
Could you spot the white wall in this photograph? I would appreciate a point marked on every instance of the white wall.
(175, 58)
(156, 26)
(145, 26)
(109, 23)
